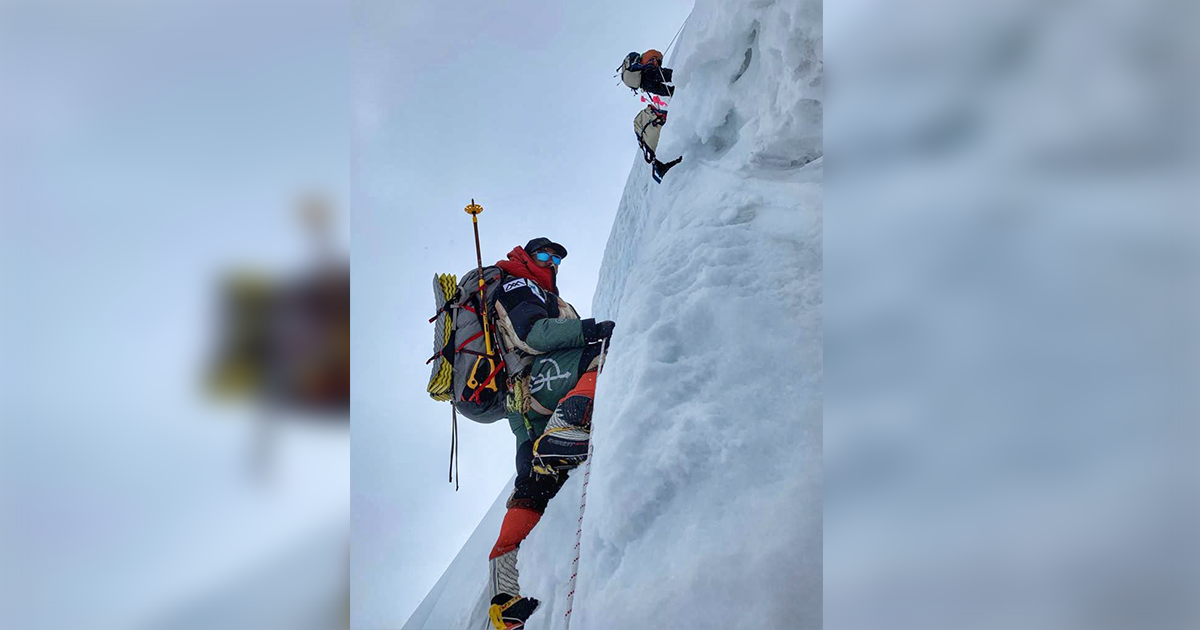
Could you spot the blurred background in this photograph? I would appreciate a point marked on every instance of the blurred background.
(1011, 280)
(174, 436)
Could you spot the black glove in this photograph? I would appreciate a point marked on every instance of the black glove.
(604, 330)
(595, 332)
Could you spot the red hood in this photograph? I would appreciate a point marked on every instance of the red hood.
(520, 264)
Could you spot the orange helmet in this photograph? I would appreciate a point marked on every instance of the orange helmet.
(652, 57)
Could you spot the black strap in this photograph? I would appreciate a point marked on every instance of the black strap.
(453, 474)
(445, 307)
(647, 152)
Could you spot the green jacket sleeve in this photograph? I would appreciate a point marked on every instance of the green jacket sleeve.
(561, 333)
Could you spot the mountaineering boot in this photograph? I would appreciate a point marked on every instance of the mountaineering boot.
(560, 451)
(509, 612)
(564, 445)
(661, 169)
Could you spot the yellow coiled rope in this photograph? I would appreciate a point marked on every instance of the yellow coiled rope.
(518, 400)
(442, 381)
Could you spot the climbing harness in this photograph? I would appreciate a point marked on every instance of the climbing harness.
(659, 119)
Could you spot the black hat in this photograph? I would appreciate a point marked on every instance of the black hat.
(542, 242)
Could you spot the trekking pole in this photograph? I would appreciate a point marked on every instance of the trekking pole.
(474, 209)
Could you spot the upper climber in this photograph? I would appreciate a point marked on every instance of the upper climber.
(645, 72)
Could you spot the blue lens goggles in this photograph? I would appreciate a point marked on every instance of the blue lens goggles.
(544, 256)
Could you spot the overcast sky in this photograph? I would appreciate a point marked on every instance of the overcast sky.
(513, 104)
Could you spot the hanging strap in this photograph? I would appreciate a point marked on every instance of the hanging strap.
(453, 474)
(449, 304)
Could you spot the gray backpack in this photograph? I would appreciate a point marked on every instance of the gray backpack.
(632, 78)
(464, 373)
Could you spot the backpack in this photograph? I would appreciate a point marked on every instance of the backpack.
(475, 382)
(631, 73)
(631, 68)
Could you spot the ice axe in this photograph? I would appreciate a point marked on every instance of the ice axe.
(474, 209)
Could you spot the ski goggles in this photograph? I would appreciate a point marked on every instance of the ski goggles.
(544, 256)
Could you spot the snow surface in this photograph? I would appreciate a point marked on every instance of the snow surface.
(704, 504)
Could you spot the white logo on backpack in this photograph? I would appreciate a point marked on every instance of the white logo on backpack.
(513, 285)
(536, 290)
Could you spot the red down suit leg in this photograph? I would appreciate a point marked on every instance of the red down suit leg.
(518, 522)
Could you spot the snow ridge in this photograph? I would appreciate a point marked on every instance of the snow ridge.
(704, 506)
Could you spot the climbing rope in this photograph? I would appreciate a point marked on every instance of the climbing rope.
(587, 473)
(673, 39)
(668, 49)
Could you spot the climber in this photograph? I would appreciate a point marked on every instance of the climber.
(645, 72)
(647, 126)
(553, 428)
